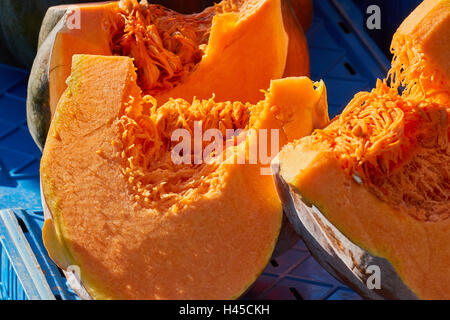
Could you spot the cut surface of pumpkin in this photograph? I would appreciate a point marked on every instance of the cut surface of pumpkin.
(146, 220)
(223, 50)
(378, 177)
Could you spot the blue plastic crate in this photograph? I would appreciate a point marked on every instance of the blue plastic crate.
(26, 272)
(341, 54)
(19, 156)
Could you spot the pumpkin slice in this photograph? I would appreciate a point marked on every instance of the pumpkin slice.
(141, 225)
(370, 193)
(223, 50)
(376, 185)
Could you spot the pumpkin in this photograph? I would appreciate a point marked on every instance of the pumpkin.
(370, 193)
(223, 50)
(141, 224)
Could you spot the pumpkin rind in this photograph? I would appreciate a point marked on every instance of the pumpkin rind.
(48, 68)
(38, 99)
(341, 257)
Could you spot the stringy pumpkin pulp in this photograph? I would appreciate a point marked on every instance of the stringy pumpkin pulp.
(398, 147)
(166, 45)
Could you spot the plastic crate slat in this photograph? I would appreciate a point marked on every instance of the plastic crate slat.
(21, 265)
(19, 193)
(19, 90)
(10, 76)
(293, 289)
(360, 50)
(354, 18)
(12, 109)
(34, 223)
(21, 141)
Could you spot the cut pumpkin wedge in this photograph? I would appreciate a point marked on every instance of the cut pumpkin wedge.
(140, 225)
(370, 193)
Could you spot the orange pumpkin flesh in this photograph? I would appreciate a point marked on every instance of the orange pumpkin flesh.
(141, 227)
(380, 173)
(297, 60)
(222, 50)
